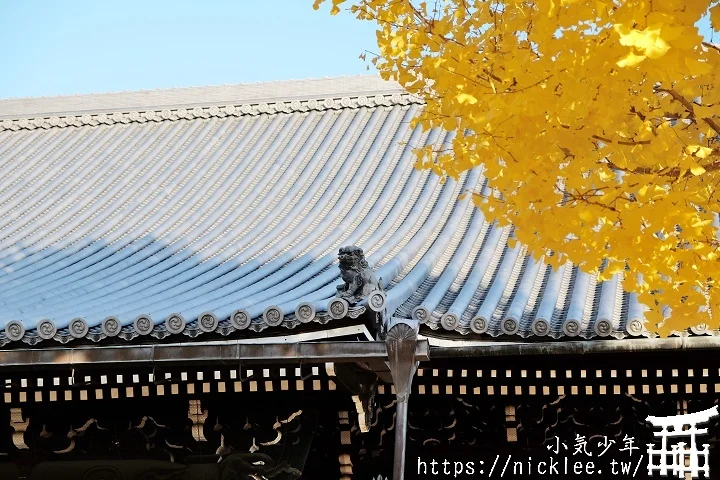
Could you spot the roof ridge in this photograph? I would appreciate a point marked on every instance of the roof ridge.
(37, 112)
(188, 87)
(152, 115)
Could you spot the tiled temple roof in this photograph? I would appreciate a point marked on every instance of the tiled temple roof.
(131, 214)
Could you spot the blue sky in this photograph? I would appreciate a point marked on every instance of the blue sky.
(63, 47)
(55, 47)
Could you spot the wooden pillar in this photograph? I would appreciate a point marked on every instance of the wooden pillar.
(401, 341)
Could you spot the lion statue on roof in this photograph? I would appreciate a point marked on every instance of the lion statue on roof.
(359, 279)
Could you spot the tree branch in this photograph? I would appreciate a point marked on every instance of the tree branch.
(690, 107)
(673, 173)
(621, 142)
(713, 46)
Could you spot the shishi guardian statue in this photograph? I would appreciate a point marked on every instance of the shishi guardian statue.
(356, 273)
(359, 285)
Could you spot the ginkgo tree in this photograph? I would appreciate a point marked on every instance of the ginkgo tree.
(597, 122)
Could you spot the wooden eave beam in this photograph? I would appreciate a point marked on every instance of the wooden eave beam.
(209, 352)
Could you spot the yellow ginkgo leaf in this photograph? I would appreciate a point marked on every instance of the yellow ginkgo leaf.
(466, 98)
(703, 152)
(697, 170)
(715, 17)
(630, 60)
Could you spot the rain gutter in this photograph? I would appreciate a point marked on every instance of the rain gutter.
(464, 349)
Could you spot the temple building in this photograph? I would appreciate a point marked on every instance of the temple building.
(253, 281)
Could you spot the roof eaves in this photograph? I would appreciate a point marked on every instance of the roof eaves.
(143, 326)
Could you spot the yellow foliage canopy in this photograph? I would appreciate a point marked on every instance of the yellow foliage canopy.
(598, 123)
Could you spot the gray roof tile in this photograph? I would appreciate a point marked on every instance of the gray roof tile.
(175, 219)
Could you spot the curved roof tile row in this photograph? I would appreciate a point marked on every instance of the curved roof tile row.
(220, 223)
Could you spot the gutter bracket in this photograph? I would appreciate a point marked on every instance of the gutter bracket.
(401, 342)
